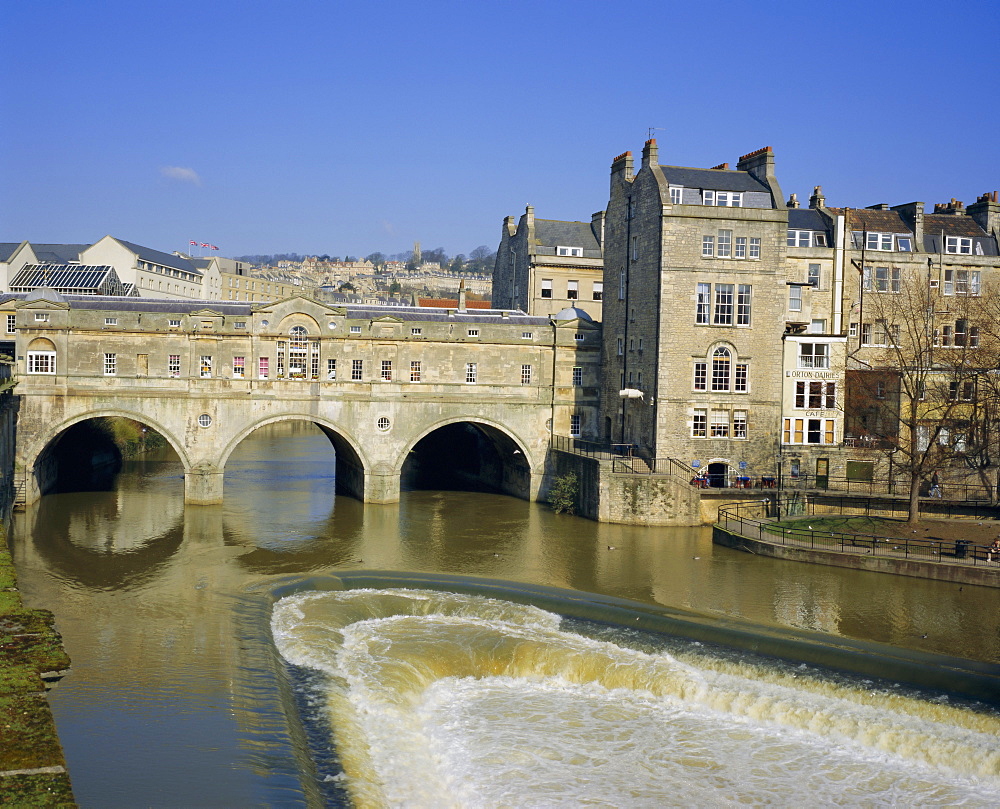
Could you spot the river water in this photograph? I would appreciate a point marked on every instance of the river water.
(177, 697)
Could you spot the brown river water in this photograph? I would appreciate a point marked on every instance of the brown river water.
(176, 697)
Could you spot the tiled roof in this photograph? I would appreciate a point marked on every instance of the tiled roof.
(713, 179)
(875, 221)
(952, 225)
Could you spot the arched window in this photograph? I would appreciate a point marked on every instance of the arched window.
(298, 335)
(721, 368)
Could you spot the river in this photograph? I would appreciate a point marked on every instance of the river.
(173, 698)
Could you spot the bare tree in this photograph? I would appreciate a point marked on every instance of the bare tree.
(918, 373)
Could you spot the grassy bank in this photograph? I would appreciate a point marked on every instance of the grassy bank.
(32, 768)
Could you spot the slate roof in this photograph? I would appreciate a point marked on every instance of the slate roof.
(713, 179)
(556, 233)
(58, 253)
(7, 250)
(806, 219)
(158, 257)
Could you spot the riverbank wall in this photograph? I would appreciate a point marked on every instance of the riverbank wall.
(938, 571)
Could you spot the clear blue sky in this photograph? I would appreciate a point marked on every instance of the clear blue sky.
(349, 127)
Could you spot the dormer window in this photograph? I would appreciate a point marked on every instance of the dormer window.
(722, 199)
(903, 244)
(676, 194)
(806, 238)
(569, 251)
(878, 241)
(956, 244)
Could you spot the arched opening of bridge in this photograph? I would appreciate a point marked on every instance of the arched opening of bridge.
(293, 451)
(88, 455)
(467, 456)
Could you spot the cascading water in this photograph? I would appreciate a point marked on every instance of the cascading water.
(439, 699)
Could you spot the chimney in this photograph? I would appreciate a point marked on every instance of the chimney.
(793, 201)
(912, 214)
(650, 154)
(817, 200)
(986, 212)
(529, 212)
(510, 225)
(955, 207)
(597, 226)
(760, 165)
(622, 165)
(879, 206)
(461, 295)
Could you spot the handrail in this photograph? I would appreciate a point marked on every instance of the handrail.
(759, 519)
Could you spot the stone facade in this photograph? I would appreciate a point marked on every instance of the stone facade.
(545, 265)
(695, 276)
(205, 374)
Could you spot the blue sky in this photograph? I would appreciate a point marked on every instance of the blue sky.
(346, 127)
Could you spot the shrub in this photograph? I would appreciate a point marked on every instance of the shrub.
(562, 496)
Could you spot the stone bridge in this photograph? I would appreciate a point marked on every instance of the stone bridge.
(376, 380)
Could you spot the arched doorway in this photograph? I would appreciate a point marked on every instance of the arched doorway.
(467, 456)
(718, 475)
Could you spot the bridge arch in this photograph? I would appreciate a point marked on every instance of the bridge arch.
(503, 460)
(34, 459)
(353, 466)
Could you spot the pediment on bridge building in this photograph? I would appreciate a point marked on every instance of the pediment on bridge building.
(387, 319)
(299, 304)
(206, 313)
(42, 303)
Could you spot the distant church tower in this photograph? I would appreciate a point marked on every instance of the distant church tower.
(416, 254)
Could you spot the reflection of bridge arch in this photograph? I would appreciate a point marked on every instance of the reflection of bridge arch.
(351, 462)
(512, 473)
(36, 455)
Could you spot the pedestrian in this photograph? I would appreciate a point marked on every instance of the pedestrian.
(935, 486)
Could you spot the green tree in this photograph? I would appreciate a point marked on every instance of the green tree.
(562, 495)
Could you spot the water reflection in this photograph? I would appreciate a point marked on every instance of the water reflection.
(151, 599)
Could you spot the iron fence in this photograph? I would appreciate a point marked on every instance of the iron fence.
(761, 520)
(966, 492)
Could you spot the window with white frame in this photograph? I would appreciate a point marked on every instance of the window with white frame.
(206, 366)
(816, 395)
(904, 244)
(11, 324)
(41, 362)
(41, 317)
(754, 247)
(416, 331)
(598, 293)
(703, 303)
(808, 431)
(357, 370)
(577, 375)
(814, 355)
(621, 285)
(743, 294)
(527, 335)
(239, 366)
(725, 199)
(881, 279)
(355, 330)
(569, 251)
(111, 321)
(813, 275)
(957, 244)
(472, 333)
(173, 365)
(741, 374)
(525, 374)
(263, 367)
(794, 298)
(718, 426)
(331, 369)
(415, 371)
(699, 423)
(174, 324)
(676, 194)
(800, 238)
(386, 372)
(724, 247)
(723, 313)
(110, 364)
(708, 246)
(621, 346)
(701, 375)
(575, 425)
(471, 373)
(740, 248)
(878, 241)
(817, 325)
(739, 424)
(962, 282)
(572, 290)
(240, 324)
(721, 368)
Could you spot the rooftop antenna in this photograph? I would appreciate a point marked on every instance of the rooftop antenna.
(652, 129)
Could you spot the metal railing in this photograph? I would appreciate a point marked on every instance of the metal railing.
(759, 520)
(591, 449)
(966, 492)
